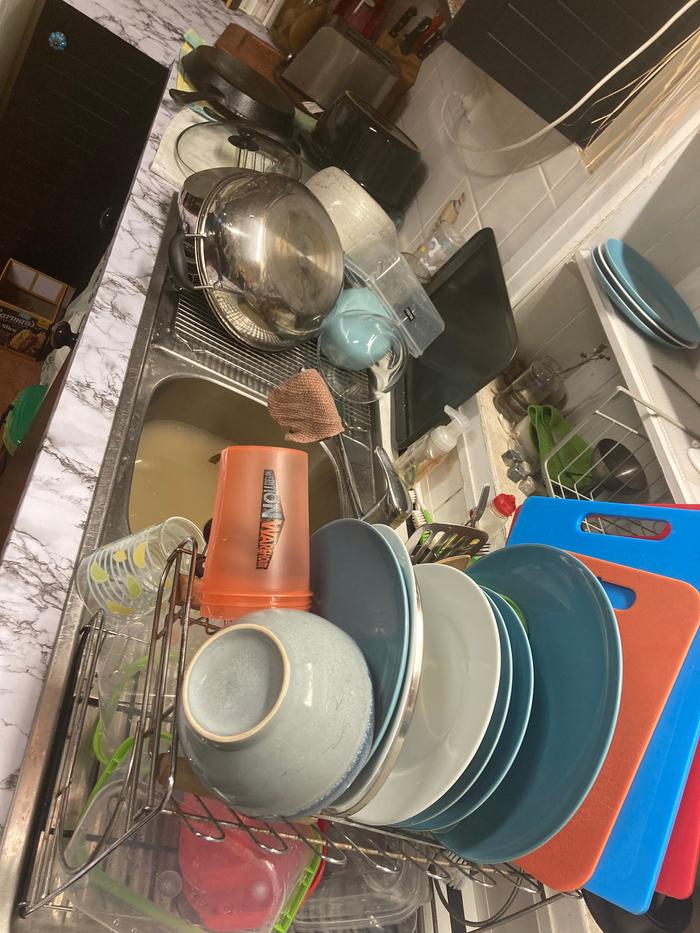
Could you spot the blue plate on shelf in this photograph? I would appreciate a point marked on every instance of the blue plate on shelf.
(657, 297)
(577, 661)
(514, 728)
(358, 585)
(425, 819)
(623, 303)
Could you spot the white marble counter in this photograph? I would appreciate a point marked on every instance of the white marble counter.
(38, 560)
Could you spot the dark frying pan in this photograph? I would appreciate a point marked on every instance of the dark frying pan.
(236, 90)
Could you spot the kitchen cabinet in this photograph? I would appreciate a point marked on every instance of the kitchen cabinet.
(71, 137)
(549, 53)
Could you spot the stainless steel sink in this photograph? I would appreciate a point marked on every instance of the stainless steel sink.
(207, 405)
(182, 368)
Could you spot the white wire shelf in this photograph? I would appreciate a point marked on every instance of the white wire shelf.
(636, 356)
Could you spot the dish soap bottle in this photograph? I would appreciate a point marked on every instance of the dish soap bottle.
(424, 454)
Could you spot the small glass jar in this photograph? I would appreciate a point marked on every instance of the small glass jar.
(296, 22)
(540, 384)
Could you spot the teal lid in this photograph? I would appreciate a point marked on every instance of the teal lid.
(21, 415)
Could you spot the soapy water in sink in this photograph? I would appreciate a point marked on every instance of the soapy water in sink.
(173, 474)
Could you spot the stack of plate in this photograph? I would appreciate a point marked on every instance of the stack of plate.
(644, 297)
(487, 732)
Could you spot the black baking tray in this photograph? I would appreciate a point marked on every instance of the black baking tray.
(478, 343)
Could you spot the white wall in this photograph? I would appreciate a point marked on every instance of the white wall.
(510, 192)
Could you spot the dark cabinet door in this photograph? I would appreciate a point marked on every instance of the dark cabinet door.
(71, 138)
(549, 53)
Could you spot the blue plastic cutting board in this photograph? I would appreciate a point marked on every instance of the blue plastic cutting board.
(630, 864)
(631, 861)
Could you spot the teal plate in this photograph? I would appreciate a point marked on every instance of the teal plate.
(514, 729)
(429, 817)
(577, 661)
(358, 585)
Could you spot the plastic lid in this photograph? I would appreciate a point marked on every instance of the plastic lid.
(445, 436)
(504, 504)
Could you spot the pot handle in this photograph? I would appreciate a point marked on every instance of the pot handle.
(192, 97)
(178, 262)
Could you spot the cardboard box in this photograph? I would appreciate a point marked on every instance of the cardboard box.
(24, 290)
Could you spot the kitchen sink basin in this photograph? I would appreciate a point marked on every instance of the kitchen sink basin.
(187, 422)
(189, 390)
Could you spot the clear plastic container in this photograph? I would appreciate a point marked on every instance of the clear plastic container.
(434, 252)
(122, 577)
(358, 895)
(163, 879)
(375, 263)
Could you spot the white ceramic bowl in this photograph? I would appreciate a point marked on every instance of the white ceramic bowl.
(355, 214)
(456, 696)
(276, 713)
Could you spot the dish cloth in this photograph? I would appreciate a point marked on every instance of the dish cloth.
(304, 407)
(571, 465)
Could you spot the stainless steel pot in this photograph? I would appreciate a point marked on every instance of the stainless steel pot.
(267, 254)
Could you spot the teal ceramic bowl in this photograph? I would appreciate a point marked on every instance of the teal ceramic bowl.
(577, 660)
(276, 713)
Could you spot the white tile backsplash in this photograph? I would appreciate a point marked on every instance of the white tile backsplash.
(514, 192)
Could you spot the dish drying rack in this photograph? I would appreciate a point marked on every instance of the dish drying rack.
(146, 792)
(621, 417)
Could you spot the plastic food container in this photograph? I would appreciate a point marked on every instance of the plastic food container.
(258, 552)
(352, 896)
(381, 267)
(166, 880)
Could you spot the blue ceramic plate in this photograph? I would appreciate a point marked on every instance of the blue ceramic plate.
(642, 322)
(359, 586)
(516, 722)
(426, 819)
(577, 661)
(656, 296)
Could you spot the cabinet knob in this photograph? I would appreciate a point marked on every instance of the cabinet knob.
(62, 336)
(107, 218)
(58, 41)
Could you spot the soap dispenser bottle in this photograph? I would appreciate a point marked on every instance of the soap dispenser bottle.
(424, 455)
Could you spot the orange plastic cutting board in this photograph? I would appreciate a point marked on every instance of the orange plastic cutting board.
(656, 632)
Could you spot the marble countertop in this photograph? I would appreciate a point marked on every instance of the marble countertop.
(37, 564)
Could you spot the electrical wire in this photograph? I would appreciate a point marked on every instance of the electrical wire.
(605, 120)
(639, 79)
(476, 924)
(596, 87)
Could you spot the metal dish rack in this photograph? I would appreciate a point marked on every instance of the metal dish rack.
(148, 788)
(620, 417)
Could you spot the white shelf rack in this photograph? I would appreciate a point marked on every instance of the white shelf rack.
(636, 357)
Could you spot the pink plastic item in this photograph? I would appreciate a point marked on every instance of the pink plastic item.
(232, 884)
(679, 870)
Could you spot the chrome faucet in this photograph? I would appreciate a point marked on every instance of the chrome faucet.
(394, 506)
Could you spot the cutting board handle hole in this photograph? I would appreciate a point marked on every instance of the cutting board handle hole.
(624, 526)
(621, 597)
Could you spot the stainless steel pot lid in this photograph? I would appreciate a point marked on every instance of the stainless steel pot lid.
(267, 240)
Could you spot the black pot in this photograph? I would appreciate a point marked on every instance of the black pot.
(378, 155)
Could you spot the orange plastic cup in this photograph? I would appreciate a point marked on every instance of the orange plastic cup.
(258, 552)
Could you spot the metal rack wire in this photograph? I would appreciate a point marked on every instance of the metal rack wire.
(577, 467)
(142, 791)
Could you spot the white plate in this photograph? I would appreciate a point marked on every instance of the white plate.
(375, 773)
(456, 697)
